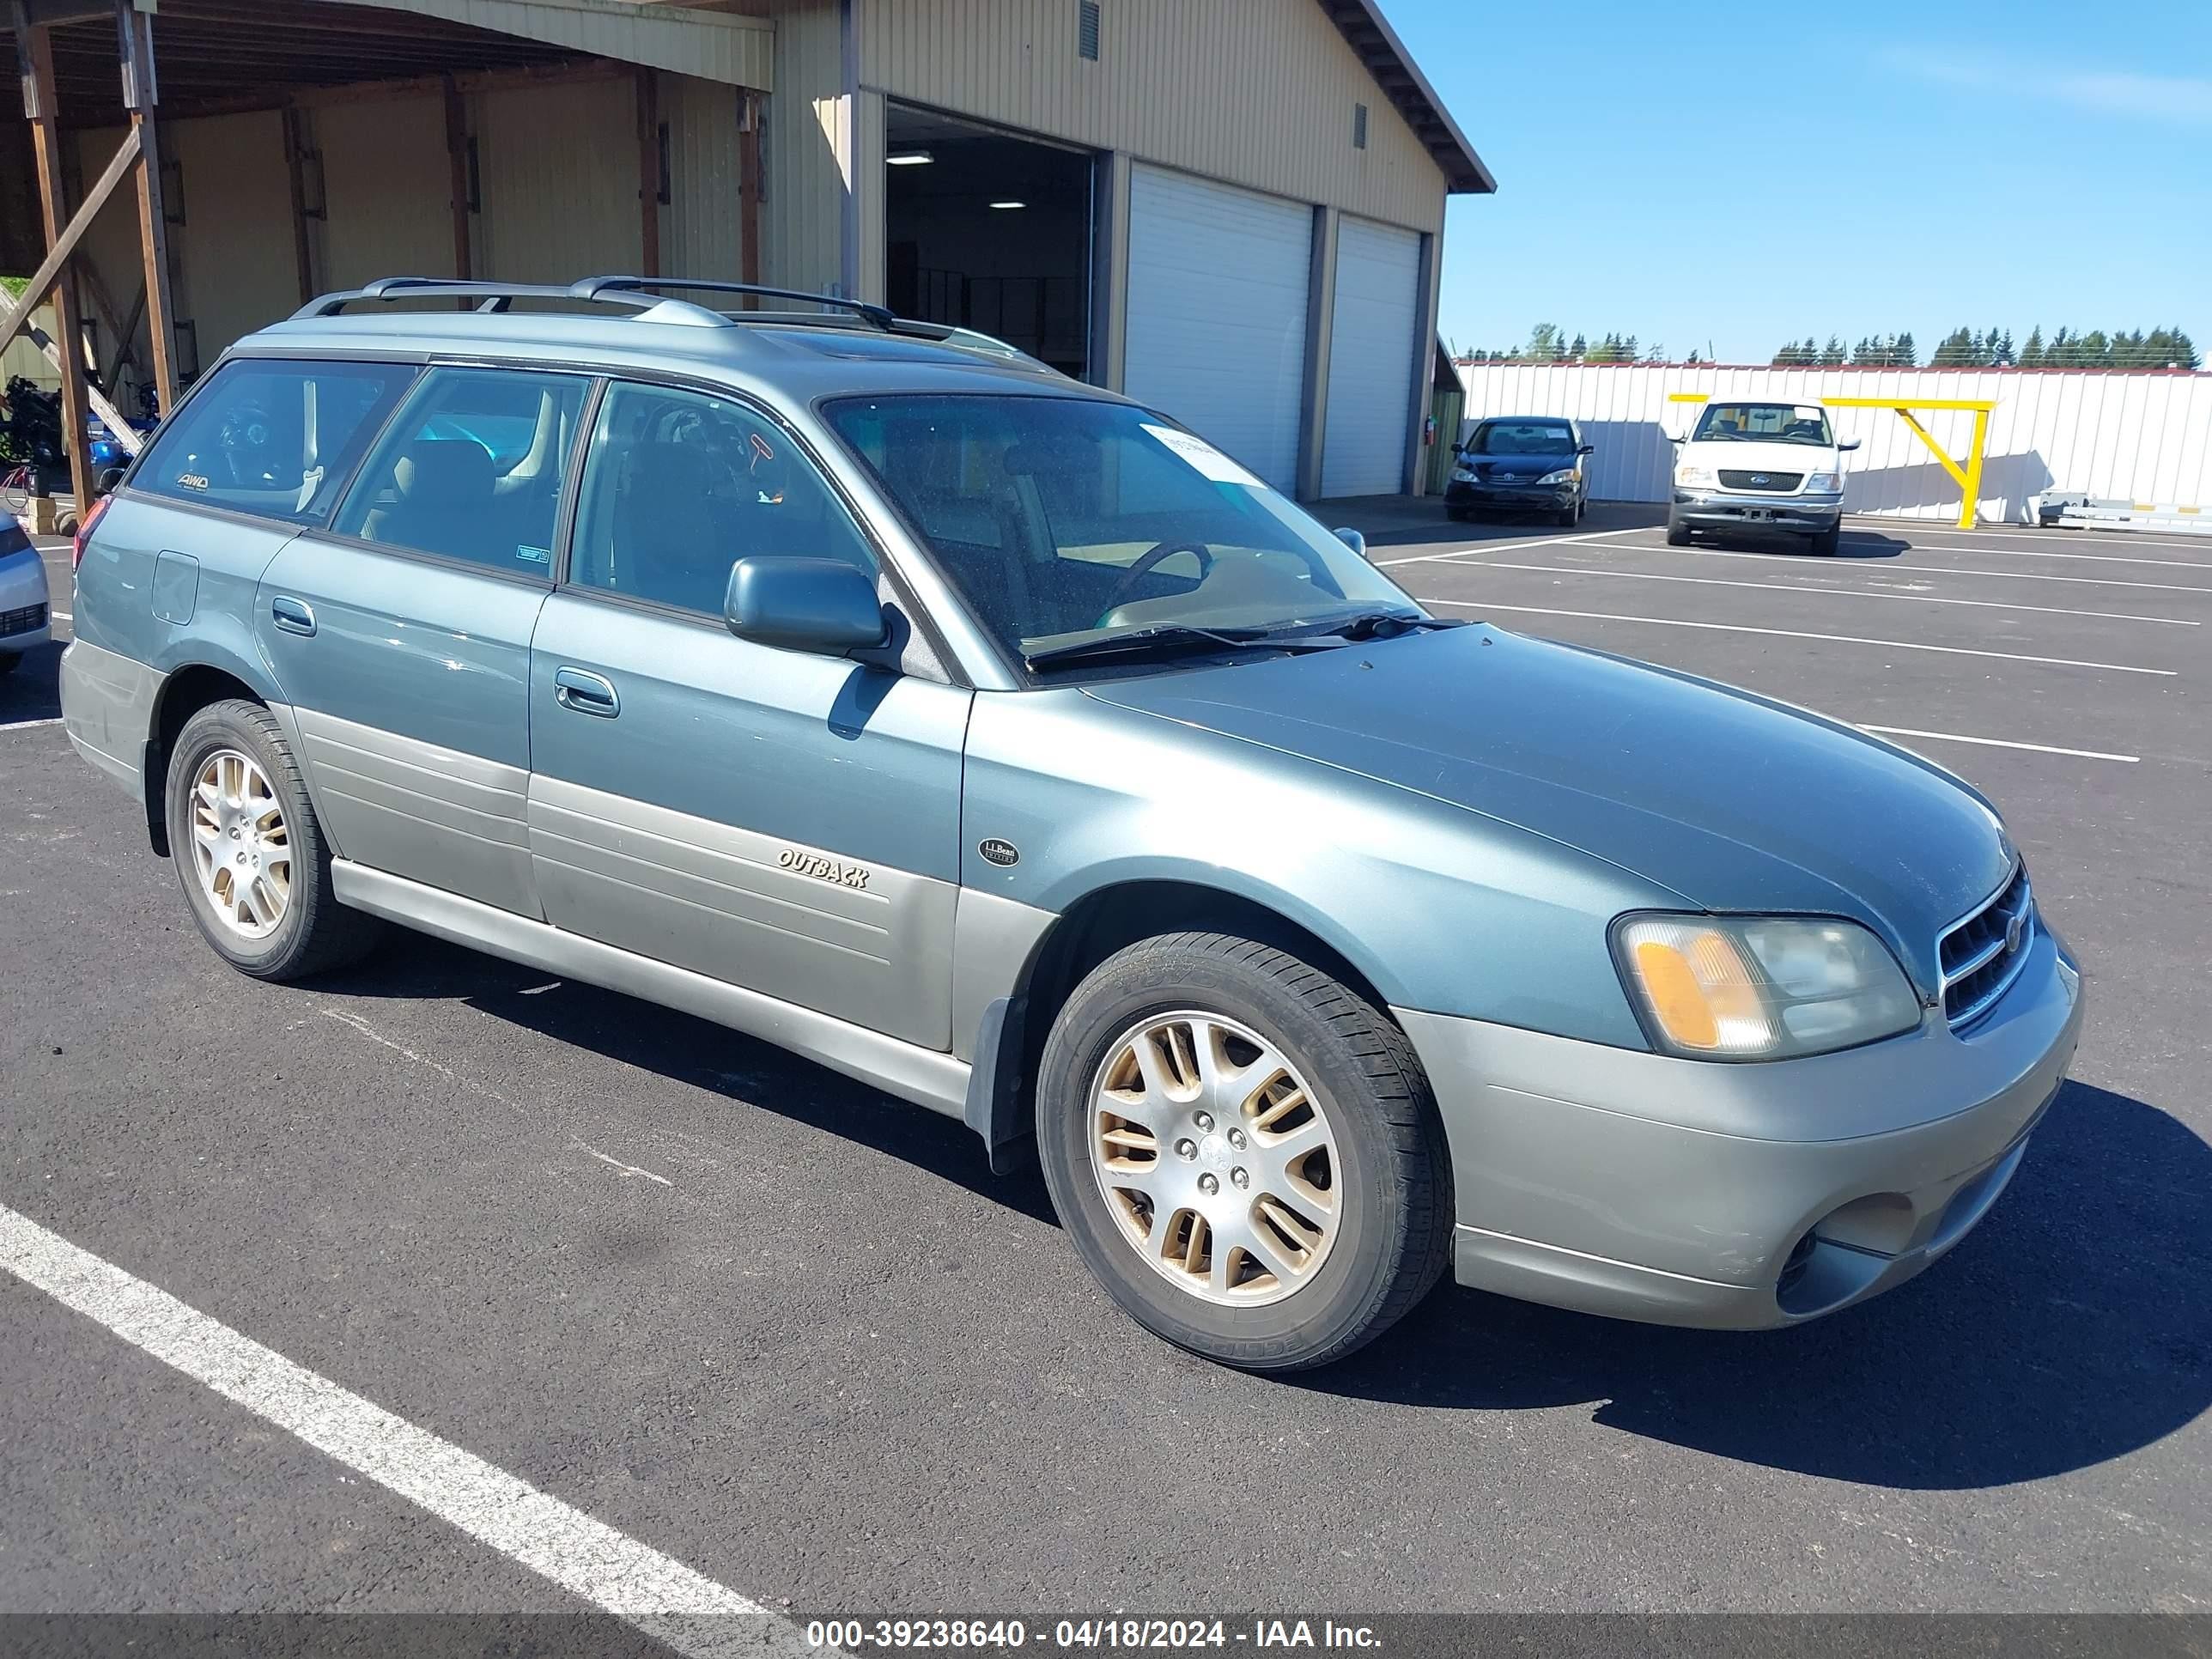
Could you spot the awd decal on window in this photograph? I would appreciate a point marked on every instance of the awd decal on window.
(193, 480)
(822, 869)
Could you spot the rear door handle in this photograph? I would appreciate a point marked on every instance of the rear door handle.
(291, 615)
(586, 693)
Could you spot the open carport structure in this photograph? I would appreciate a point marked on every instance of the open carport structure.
(1230, 209)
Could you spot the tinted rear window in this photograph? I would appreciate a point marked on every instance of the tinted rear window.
(278, 439)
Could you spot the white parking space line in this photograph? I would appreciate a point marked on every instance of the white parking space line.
(589, 1559)
(2093, 558)
(1501, 547)
(1798, 634)
(2001, 743)
(1830, 593)
(1886, 567)
(1909, 528)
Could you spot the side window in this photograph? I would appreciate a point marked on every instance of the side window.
(275, 437)
(680, 485)
(472, 468)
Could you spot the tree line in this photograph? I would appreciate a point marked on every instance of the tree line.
(1547, 342)
(1964, 348)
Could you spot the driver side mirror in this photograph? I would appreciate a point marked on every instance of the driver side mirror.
(1854, 444)
(1586, 449)
(824, 605)
(1352, 539)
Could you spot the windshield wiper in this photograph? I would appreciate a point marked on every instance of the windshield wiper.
(1382, 624)
(1166, 637)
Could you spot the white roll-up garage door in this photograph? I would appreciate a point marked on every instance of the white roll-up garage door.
(1370, 359)
(1217, 314)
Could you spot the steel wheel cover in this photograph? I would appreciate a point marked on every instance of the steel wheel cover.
(1216, 1160)
(241, 849)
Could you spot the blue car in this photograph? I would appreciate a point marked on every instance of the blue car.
(880, 693)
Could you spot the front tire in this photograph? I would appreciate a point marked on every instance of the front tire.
(249, 853)
(1678, 534)
(9, 662)
(1244, 1151)
(1825, 541)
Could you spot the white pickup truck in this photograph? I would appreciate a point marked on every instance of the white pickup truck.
(1759, 466)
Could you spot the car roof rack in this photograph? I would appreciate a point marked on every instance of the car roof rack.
(601, 288)
(501, 296)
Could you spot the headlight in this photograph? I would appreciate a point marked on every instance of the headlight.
(1762, 987)
(1565, 475)
(1694, 477)
(1824, 483)
(1463, 473)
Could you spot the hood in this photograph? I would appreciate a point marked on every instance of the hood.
(1733, 801)
(1741, 456)
(1520, 466)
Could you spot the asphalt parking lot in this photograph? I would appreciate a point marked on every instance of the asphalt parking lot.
(793, 1335)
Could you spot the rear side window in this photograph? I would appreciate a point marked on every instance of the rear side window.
(472, 468)
(681, 485)
(278, 439)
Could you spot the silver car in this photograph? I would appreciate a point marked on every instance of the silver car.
(881, 694)
(25, 615)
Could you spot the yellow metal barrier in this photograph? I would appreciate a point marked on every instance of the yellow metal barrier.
(1967, 477)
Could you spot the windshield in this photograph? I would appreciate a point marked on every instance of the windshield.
(1063, 519)
(1522, 437)
(1764, 424)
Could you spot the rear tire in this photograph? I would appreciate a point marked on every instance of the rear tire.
(1678, 534)
(1329, 1213)
(248, 850)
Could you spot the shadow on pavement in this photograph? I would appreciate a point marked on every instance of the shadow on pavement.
(687, 1049)
(31, 689)
(2073, 1327)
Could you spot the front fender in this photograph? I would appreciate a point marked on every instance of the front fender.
(1443, 911)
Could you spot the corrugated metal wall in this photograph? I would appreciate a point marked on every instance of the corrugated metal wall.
(234, 248)
(702, 229)
(558, 172)
(2144, 436)
(385, 181)
(803, 207)
(1260, 93)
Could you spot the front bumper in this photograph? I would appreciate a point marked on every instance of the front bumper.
(1711, 509)
(1738, 1196)
(26, 620)
(1518, 496)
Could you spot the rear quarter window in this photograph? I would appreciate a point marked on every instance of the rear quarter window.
(277, 439)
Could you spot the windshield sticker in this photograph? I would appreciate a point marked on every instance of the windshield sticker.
(1206, 460)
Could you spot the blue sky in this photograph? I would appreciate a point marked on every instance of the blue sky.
(1727, 176)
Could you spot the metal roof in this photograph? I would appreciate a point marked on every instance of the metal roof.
(1371, 35)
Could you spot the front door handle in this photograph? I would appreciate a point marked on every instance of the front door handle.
(586, 693)
(293, 616)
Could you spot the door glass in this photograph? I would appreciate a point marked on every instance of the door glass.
(472, 469)
(277, 438)
(680, 485)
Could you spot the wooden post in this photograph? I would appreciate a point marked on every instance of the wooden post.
(748, 189)
(457, 170)
(35, 48)
(140, 95)
(649, 169)
(40, 281)
(295, 158)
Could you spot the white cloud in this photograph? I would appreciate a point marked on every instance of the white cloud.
(2170, 99)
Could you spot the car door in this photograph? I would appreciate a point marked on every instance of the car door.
(779, 820)
(402, 632)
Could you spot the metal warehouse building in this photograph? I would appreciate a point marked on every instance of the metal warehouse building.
(1231, 210)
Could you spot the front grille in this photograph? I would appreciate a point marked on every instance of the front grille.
(1984, 954)
(1780, 483)
(29, 619)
